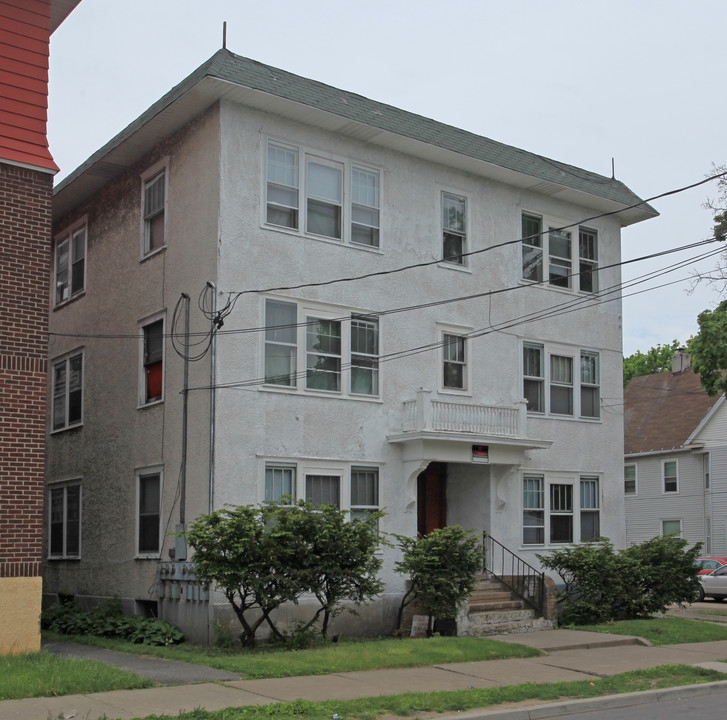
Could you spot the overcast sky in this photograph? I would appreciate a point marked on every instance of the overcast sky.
(576, 81)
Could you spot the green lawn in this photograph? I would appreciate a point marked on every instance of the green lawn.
(277, 661)
(663, 630)
(42, 675)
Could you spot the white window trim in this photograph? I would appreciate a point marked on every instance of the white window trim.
(305, 310)
(142, 403)
(553, 222)
(663, 477)
(635, 493)
(139, 473)
(347, 165)
(149, 174)
(65, 358)
(279, 465)
(464, 265)
(64, 484)
(671, 519)
(548, 480)
(462, 332)
(66, 235)
(573, 352)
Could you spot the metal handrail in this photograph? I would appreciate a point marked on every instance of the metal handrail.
(513, 572)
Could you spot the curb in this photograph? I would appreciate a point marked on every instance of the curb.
(607, 702)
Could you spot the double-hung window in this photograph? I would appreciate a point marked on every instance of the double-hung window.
(671, 477)
(560, 258)
(630, 479)
(154, 208)
(533, 510)
(149, 502)
(326, 198)
(67, 409)
(587, 260)
(590, 509)
(364, 492)
(706, 469)
(279, 482)
(590, 385)
(561, 513)
(152, 362)
(65, 521)
(454, 228)
(70, 264)
(561, 385)
(532, 247)
(336, 354)
(454, 352)
(534, 377)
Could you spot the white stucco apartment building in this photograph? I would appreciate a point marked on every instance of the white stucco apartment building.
(389, 341)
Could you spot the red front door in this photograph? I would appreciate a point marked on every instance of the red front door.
(432, 498)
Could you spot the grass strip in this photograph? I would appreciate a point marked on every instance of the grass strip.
(44, 675)
(276, 661)
(663, 630)
(410, 704)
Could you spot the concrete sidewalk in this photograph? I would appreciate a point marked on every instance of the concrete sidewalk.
(571, 655)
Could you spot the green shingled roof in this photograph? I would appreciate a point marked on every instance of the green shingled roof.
(227, 66)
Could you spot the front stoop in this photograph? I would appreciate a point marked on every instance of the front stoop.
(493, 609)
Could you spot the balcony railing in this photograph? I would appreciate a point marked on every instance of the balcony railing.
(425, 414)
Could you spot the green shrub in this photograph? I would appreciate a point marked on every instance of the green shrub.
(601, 584)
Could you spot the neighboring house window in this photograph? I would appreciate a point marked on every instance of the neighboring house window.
(590, 385)
(364, 356)
(70, 264)
(590, 509)
(323, 490)
(323, 354)
(282, 200)
(671, 527)
(671, 481)
(365, 207)
(281, 334)
(561, 385)
(533, 510)
(149, 499)
(705, 469)
(152, 370)
(629, 479)
(587, 260)
(336, 358)
(561, 513)
(364, 492)
(279, 482)
(454, 228)
(534, 377)
(342, 200)
(68, 391)
(154, 206)
(454, 349)
(532, 247)
(65, 521)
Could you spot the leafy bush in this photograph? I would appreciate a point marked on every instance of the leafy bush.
(107, 619)
(442, 568)
(601, 584)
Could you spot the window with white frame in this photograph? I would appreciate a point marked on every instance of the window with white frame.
(590, 509)
(670, 475)
(70, 263)
(67, 410)
(454, 362)
(671, 527)
(154, 208)
(706, 469)
(555, 395)
(364, 492)
(561, 513)
(590, 384)
(323, 490)
(339, 355)
(64, 508)
(548, 254)
(279, 482)
(630, 487)
(148, 512)
(454, 228)
(152, 362)
(341, 199)
(533, 510)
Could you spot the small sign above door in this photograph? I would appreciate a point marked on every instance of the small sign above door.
(480, 453)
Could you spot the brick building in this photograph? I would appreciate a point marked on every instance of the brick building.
(26, 184)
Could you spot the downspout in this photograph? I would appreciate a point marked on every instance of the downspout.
(213, 375)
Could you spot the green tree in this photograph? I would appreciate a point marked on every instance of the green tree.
(442, 568)
(654, 360)
(709, 349)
